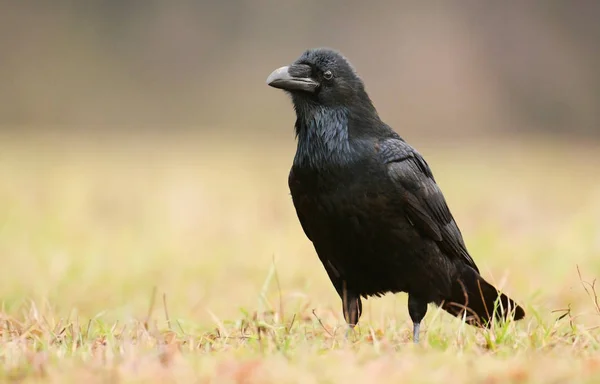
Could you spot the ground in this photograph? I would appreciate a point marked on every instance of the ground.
(180, 259)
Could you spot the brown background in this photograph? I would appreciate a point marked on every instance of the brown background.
(433, 68)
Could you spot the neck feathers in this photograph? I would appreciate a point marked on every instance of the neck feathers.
(323, 137)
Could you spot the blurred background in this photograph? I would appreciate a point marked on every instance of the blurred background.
(437, 67)
(140, 146)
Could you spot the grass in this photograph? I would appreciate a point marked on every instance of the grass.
(181, 260)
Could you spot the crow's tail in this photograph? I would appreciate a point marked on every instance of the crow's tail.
(471, 293)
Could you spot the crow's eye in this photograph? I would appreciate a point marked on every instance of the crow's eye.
(328, 75)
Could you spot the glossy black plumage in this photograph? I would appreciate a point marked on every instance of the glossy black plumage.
(369, 202)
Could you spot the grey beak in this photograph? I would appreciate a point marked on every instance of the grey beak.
(282, 79)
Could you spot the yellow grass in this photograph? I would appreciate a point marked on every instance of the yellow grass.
(180, 259)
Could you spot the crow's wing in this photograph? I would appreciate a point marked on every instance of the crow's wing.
(425, 206)
(293, 185)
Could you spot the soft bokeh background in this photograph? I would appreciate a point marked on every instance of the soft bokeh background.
(451, 67)
(141, 148)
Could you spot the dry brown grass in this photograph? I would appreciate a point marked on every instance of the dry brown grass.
(181, 260)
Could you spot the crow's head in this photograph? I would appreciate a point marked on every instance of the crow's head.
(320, 77)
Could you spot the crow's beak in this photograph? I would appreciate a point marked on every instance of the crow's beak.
(293, 78)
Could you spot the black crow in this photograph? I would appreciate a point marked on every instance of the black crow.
(369, 203)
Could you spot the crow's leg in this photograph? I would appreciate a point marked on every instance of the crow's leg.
(352, 309)
(417, 309)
